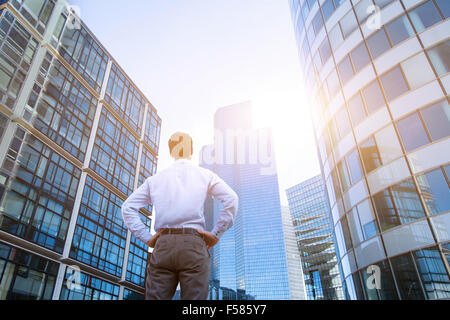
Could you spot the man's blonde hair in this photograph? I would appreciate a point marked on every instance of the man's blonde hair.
(180, 145)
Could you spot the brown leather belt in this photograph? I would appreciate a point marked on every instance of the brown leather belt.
(181, 231)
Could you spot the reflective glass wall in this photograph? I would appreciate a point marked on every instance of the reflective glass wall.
(378, 74)
(76, 138)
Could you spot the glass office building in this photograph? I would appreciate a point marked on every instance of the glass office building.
(249, 262)
(76, 138)
(378, 76)
(311, 217)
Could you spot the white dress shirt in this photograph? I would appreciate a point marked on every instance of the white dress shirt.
(178, 194)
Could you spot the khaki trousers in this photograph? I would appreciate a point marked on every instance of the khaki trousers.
(182, 258)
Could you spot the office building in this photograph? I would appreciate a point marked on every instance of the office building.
(311, 218)
(377, 74)
(76, 138)
(249, 262)
(295, 269)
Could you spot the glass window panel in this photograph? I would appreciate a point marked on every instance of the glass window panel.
(435, 191)
(354, 166)
(387, 289)
(348, 24)
(324, 50)
(345, 70)
(388, 144)
(343, 175)
(333, 83)
(335, 36)
(407, 278)
(373, 97)
(362, 11)
(370, 156)
(417, 77)
(317, 22)
(34, 6)
(407, 201)
(356, 109)
(367, 219)
(444, 5)
(360, 57)
(425, 16)
(382, 3)
(342, 122)
(355, 227)
(440, 57)
(327, 9)
(394, 84)
(437, 119)
(378, 43)
(400, 29)
(433, 273)
(412, 132)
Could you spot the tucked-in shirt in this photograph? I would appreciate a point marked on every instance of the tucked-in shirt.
(178, 194)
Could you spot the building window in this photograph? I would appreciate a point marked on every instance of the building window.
(354, 166)
(348, 24)
(125, 99)
(114, 155)
(324, 50)
(91, 288)
(435, 118)
(335, 36)
(387, 288)
(65, 109)
(362, 11)
(327, 9)
(433, 273)
(356, 109)
(424, 16)
(373, 97)
(25, 276)
(85, 55)
(37, 13)
(394, 83)
(370, 155)
(345, 70)
(18, 48)
(440, 57)
(3, 125)
(407, 279)
(398, 205)
(435, 190)
(360, 57)
(132, 295)
(444, 6)
(100, 234)
(333, 83)
(317, 23)
(137, 257)
(342, 122)
(40, 193)
(417, 77)
(378, 43)
(399, 30)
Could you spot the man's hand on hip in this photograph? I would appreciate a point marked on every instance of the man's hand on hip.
(152, 242)
(210, 239)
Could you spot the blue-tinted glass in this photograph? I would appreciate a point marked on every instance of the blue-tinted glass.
(370, 229)
(370, 155)
(425, 16)
(378, 43)
(435, 191)
(327, 9)
(356, 109)
(407, 279)
(444, 5)
(385, 209)
(433, 273)
(412, 132)
(345, 70)
(360, 57)
(317, 23)
(440, 57)
(373, 97)
(354, 166)
(437, 119)
(400, 29)
(407, 202)
(394, 84)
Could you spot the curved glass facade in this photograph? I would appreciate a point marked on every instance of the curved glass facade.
(378, 74)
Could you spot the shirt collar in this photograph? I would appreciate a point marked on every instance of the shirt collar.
(182, 161)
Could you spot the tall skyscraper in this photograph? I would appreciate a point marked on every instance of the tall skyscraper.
(311, 217)
(249, 262)
(76, 138)
(377, 74)
(294, 264)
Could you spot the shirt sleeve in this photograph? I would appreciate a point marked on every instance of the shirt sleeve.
(222, 192)
(130, 212)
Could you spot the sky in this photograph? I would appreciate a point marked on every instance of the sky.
(191, 57)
